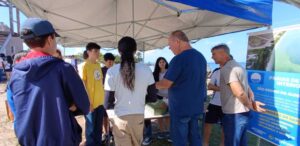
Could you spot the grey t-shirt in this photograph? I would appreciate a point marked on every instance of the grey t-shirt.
(232, 72)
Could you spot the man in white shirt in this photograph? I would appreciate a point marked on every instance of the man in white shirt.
(214, 110)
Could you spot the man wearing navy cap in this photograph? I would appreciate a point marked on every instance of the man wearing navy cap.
(44, 88)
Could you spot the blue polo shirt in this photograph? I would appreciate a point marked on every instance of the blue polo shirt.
(187, 71)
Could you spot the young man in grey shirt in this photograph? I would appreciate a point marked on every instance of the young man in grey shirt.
(237, 98)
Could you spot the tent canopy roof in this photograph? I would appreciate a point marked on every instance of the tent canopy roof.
(148, 21)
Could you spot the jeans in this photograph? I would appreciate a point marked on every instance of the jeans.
(186, 129)
(93, 124)
(148, 129)
(235, 129)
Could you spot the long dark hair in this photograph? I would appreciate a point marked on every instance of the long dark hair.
(127, 48)
(157, 68)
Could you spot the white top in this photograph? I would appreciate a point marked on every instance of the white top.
(162, 92)
(7, 65)
(215, 80)
(129, 102)
(1, 63)
(111, 115)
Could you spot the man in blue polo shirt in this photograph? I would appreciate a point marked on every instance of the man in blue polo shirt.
(186, 81)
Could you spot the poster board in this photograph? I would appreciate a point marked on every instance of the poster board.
(273, 65)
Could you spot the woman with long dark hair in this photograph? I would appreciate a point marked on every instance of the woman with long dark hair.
(160, 69)
(126, 85)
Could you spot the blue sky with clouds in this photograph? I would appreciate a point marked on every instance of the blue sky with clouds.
(283, 15)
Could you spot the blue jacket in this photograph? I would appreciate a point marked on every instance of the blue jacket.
(43, 89)
(10, 101)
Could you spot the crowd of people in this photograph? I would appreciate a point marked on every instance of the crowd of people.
(46, 94)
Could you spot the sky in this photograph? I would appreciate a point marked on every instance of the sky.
(283, 15)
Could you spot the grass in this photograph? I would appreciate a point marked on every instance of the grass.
(216, 137)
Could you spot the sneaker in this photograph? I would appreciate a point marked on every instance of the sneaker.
(104, 138)
(147, 141)
(169, 140)
(161, 136)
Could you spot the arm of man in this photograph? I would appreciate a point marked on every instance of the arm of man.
(213, 87)
(164, 84)
(257, 105)
(151, 94)
(74, 89)
(239, 93)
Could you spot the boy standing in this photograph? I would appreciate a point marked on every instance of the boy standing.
(43, 88)
(109, 61)
(92, 77)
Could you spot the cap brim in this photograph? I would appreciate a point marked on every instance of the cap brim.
(32, 36)
(24, 37)
(56, 34)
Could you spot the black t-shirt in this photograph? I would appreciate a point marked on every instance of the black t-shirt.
(104, 70)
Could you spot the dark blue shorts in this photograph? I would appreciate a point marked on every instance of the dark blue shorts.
(214, 114)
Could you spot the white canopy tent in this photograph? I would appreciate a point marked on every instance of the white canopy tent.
(148, 21)
(293, 2)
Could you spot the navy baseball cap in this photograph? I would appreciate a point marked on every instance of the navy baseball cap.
(35, 27)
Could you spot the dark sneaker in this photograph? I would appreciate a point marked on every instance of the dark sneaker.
(104, 137)
(147, 141)
(161, 136)
(169, 140)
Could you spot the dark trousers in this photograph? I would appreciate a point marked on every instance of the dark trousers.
(93, 127)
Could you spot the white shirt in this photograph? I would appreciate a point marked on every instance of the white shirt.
(1, 63)
(129, 102)
(215, 80)
(162, 92)
(6, 65)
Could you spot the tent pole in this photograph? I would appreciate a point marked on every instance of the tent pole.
(144, 52)
(64, 50)
(116, 35)
(11, 20)
(133, 18)
(18, 20)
